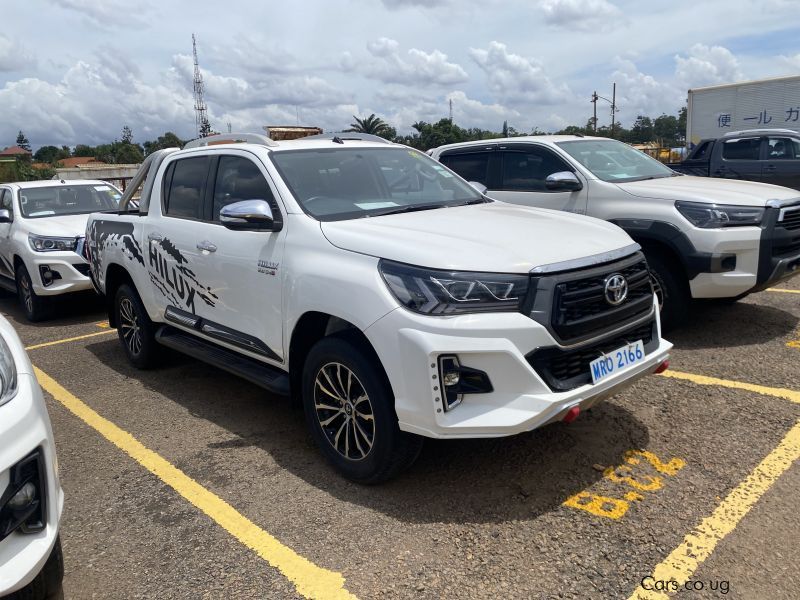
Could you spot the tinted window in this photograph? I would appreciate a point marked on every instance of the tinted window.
(238, 179)
(782, 149)
(526, 171)
(56, 200)
(187, 188)
(349, 182)
(5, 200)
(702, 151)
(473, 166)
(741, 149)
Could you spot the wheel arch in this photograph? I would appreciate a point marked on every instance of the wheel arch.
(313, 326)
(116, 275)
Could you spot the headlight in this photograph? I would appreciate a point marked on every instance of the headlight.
(434, 292)
(710, 216)
(42, 243)
(8, 373)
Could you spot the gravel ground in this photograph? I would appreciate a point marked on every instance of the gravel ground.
(471, 519)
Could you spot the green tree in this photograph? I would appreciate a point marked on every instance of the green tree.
(23, 142)
(168, 140)
(682, 125)
(666, 131)
(374, 126)
(47, 154)
(642, 130)
(127, 135)
(84, 150)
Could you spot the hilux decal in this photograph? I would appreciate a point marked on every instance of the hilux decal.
(176, 282)
(268, 267)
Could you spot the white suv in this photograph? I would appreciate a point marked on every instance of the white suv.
(703, 238)
(380, 288)
(41, 238)
(31, 499)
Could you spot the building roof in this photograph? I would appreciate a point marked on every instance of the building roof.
(12, 150)
(76, 161)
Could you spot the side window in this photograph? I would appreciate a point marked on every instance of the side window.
(526, 170)
(741, 149)
(239, 179)
(782, 149)
(186, 187)
(472, 166)
(5, 201)
(702, 151)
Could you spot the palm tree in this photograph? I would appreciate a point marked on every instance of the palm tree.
(373, 125)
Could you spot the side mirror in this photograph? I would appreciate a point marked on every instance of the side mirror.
(248, 215)
(565, 181)
(479, 186)
(5, 215)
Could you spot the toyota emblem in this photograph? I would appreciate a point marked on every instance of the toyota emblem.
(616, 289)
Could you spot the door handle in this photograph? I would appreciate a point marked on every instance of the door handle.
(769, 167)
(155, 237)
(206, 246)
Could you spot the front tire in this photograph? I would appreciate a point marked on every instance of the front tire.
(136, 331)
(36, 308)
(47, 584)
(349, 409)
(671, 289)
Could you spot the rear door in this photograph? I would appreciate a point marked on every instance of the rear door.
(474, 163)
(523, 169)
(781, 164)
(6, 254)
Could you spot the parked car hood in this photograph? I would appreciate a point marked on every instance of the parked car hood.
(61, 226)
(709, 189)
(493, 237)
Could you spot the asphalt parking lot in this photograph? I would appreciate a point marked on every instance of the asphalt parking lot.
(185, 482)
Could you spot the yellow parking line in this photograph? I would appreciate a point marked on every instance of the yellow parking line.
(310, 580)
(790, 395)
(783, 291)
(72, 339)
(698, 545)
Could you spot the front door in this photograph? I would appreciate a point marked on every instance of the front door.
(6, 253)
(523, 170)
(781, 165)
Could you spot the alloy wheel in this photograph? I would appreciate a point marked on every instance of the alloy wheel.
(27, 293)
(129, 324)
(344, 411)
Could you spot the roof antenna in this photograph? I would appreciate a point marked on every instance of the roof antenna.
(337, 140)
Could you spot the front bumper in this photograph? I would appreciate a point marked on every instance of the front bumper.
(409, 346)
(71, 269)
(25, 427)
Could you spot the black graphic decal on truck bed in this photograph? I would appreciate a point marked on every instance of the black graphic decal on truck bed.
(103, 234)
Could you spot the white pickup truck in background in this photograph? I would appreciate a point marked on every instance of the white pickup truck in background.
(390, 296)
(703, 238)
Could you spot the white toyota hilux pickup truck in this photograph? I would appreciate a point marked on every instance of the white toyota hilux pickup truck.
(42, 224)
(392, 298)
(703, 238)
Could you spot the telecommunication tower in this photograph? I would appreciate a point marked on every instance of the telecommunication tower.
(200, 109)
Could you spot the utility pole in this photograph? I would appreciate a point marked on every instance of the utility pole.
(451, 110)
(594, 99)
(613, 108)
(200, 108)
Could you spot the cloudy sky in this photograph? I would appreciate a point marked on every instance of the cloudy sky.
(77, 71)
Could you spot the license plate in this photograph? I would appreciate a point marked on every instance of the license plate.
(616, 361)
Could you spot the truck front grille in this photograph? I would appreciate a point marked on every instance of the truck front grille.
(573, 305)
(566, 369)
(791, 218)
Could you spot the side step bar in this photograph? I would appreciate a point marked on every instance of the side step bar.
(265, 376)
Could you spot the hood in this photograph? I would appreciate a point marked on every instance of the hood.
(709, 189)
(494, 237)
(61, 226)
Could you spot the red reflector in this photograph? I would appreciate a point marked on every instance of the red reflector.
(662, 367)
(571, 415)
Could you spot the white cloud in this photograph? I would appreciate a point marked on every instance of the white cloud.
(792, 63)
(13, 55)
(108, 12)
(517, 79)
(640, 94)
(417, 67)
(400, 4)
(583, 15)
(706, 65)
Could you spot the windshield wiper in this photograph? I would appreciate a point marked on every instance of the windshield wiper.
(480, 200)
(408, 208)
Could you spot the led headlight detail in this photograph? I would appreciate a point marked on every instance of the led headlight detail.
(435, 292)
(712, 216)
(43, 243)
(8, 373)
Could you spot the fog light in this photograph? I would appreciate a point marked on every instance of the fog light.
(23, 498)
(451, 378)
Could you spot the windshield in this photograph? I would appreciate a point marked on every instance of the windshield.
(333, 184)
(610, 160)
(54, 201)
